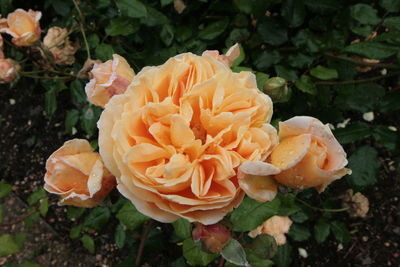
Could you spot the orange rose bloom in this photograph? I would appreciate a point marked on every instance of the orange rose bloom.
(308, 154)
(276, 226)
(8, 70)
(109, 78)
(178, 134)
(77, 174)
(23, 26)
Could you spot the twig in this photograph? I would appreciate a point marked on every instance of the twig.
(81, 21)
(142, 241)
(376, 78)
(221, 262)
(20, 219)
(320, 209)
(363, 63)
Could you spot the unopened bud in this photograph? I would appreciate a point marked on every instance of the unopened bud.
(213, 237)
(8, 70)
(277, 89)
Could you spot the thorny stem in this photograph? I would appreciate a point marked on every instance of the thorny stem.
(359, 62)
(376, 78)
(142, 242)
(320, 209)
(81, 21)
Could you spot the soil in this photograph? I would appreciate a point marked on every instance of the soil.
(28, 137)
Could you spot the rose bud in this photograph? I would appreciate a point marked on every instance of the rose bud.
(109, 78)
(228, 58)
(213, 237)
(277, 89)
(78, 175)
(308, 154)
(59, 45)
(23, 26)
(276, 226)
(8, 70)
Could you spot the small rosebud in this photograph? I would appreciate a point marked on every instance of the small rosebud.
(213, 237)
(8, 70)
(277, 89)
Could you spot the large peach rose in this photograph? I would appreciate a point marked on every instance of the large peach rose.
(109, 78)
(178, 134)
(77, 174)
(308, 154)
(276, 226)
(23, 26)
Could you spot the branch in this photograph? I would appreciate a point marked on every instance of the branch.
(81, 21)
(372, 79)
(142, 242)
(362, 63)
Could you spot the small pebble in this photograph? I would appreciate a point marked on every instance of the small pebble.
(303, 253)
(369, 116)
(392, 128)
(365, 238)
(12, 101)
(384, 72)
(340, 247)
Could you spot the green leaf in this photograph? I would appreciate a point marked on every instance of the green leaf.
(293, 11)
(74, 212)
(194, 255)
(244, 6)
(71, 119)
(299, 217)
(340, 231)
(372, 50)
(324, 73)
(89, 118)
(306, 85)
(104, 52)
(390, 5)
(180, 262)
(50, 101)
(93, 41)
(213, 30)
(44, 206)
(364, 164)
(97, 218)
(182, 228)
(1, 213)
(61, 7)
(5, 7)
(286, 73)
(122, 26)
(300, 60)
(132, 8)
(273, 31)
(256, 261)
(288, 205)
(8, 245)
(321, 230)
(75, 232)
(130, 217)
(120, 235)
(362, 97)
(251, 214)
(385, 137)
(167, 34)
(390, 102)
(233, 252)
(183, 33)
(166, 2)
(283, 257)
(264, 246)
(88, 243)
(353, 132)
(392, 23)
(261, 78)
(36, 196)
(78, 94)
(299, 232)
(5, 189)
(365, 14)
(267, 59)
(323, 6)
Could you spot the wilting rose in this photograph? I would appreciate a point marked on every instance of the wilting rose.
(8, 70)
(213, 237)
(77, 174)
(276, 226)
(308, 154)
(109, 78)
(59, 45)
(23, 26)
(176, 137)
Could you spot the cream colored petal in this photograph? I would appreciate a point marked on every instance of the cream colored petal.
(95, 178)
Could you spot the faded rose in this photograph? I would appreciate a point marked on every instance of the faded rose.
(109, 78)
(77, 174)
(176, 137)
(59, 45)
(308, 154)
(8, 70)
(276, 226)
(23, 26)
(214, 237)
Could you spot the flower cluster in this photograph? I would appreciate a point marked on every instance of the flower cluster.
(189, 139)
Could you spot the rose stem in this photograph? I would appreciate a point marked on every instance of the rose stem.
(142, 241)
